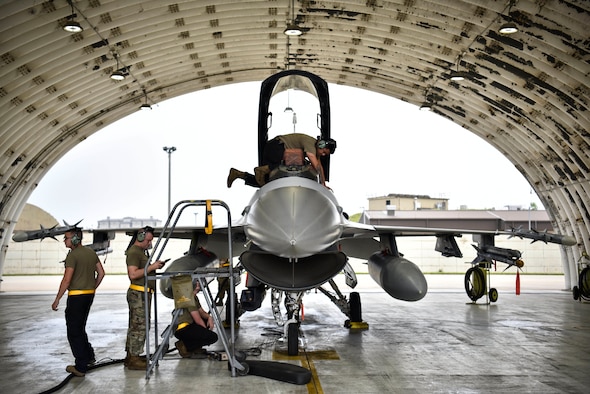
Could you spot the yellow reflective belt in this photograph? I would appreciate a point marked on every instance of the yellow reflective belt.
(181, 326)
(140, 288)
(80, 292)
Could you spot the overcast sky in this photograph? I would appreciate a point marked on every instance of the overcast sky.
(384, 146)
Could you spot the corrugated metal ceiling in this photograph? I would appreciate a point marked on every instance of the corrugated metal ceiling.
(526, 93)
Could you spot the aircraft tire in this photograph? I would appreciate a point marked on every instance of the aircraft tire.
(475, 283)
(227, 322)
(293, 339)
(355, 307)
(243, 372)
(584, 282)
(576, 292)
(493, 295)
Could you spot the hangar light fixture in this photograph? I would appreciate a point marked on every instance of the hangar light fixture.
(71, 26)
(426, 107)
(292, 28)
(117, 75)
(508, 28)
(145, 106)
(457, 75)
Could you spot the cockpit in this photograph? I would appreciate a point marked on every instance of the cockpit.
(294, 101)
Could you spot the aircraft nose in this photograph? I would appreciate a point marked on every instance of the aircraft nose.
(294, 217)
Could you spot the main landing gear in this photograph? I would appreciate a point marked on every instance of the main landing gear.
(293, 337)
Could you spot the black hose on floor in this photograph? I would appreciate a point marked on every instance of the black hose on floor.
(70, 376)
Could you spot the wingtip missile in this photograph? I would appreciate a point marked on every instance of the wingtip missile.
(544, 236)
(42, 233)
(72, 226)
(20, 236)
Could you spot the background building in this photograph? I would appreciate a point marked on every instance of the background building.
(128, 222)
(407, 202)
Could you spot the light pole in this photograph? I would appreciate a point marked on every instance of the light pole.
(169, 150)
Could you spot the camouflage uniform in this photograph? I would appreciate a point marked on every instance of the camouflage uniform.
(136, 332)
(136, 301)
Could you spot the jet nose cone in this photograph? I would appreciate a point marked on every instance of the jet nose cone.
(294, 217)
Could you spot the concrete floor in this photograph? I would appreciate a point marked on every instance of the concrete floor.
(537, 342)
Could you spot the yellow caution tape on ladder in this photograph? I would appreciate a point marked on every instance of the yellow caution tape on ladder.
(208, 218)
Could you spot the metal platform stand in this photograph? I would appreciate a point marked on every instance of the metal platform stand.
(202, 275)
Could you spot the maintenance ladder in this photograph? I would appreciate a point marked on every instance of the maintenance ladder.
(201, 274)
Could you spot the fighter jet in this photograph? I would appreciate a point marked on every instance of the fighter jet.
(293, 236)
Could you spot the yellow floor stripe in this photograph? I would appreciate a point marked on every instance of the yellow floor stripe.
(314, 385)
(306, 358)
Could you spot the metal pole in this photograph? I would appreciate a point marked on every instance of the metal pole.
(169, 150)
(169, 180)
(530, 202)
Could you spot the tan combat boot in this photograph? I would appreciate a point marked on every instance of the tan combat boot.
(233, 175)
(137, 363)
(126, 359)
(182, 350)
(260, 174)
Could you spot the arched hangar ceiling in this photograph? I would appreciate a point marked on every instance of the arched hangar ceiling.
(525, 93)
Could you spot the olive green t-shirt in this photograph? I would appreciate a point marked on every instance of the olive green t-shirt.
(185, 316)
(83, 260)
(299, 141)
(136, 257)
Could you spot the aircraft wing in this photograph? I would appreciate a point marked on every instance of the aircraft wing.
(353, 229)
(362, 240)
(216, 242)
